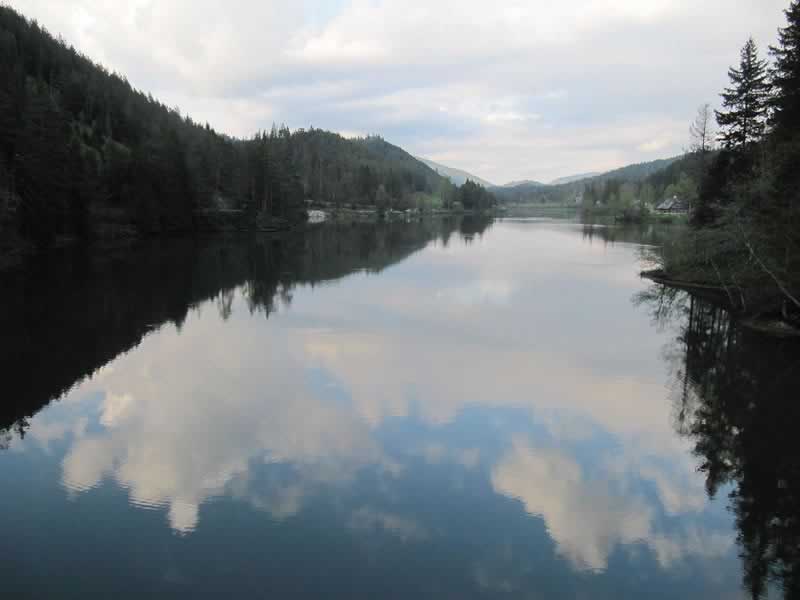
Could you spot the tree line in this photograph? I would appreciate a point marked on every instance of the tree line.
(746, 216)
(84, 154)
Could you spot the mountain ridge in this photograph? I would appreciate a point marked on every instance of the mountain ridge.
(456, 176)
(521, 182)
(567, 189)
(574, 178)
(633, 172)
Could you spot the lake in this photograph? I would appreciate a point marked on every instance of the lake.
(437, 409)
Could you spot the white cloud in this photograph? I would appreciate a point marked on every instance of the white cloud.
(116, 408)
(511, 117)
(174, 440)
(658, 144)
(589, 517)
(585, 518)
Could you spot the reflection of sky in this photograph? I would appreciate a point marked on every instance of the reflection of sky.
(513, 369)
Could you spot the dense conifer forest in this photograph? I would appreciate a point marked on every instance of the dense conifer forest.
(84, 155)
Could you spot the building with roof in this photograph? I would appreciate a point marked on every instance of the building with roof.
(673, 205)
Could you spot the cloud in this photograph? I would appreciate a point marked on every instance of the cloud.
(46, 432)
(585, 518)
(478, 319)
(522, 83)
(174, 440)
(589, 517)
(116, 408)
(657, 144)
(511, 117)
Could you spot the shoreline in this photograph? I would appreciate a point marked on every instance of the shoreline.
(16, 251)
(767, 324)
(332, 214)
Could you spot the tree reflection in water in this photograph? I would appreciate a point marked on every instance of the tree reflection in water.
(64, 317)
(737, 397)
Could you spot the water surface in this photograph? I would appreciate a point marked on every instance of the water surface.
(439, 410)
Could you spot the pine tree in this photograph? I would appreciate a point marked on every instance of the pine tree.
(786, 73)
(746, 101)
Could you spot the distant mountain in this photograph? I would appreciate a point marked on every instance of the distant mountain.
(457, 176)
(635, 172)
(566, 189)
(574, 178)
(520, 191)
(523, 183)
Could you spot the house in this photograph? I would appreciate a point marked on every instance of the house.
(316, 216)
(673, 205)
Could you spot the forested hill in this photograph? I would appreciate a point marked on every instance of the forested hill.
(573, 178)
(655, 176)
(84, 155)
(636, 172)
(336, 169)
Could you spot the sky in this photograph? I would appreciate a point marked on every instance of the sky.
(505, 89)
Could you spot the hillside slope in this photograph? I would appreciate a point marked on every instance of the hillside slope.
(457, 176)
(337, 169)
(637, 171)
(574, 178)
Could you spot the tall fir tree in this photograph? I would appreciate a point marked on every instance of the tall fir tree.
(786, 74)
(746, 102)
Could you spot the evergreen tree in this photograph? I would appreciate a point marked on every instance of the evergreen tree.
(786, 73)
(742, 122)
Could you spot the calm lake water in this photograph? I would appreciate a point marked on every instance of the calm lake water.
(429, 410)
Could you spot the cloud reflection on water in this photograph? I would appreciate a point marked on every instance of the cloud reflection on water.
(529, 318)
